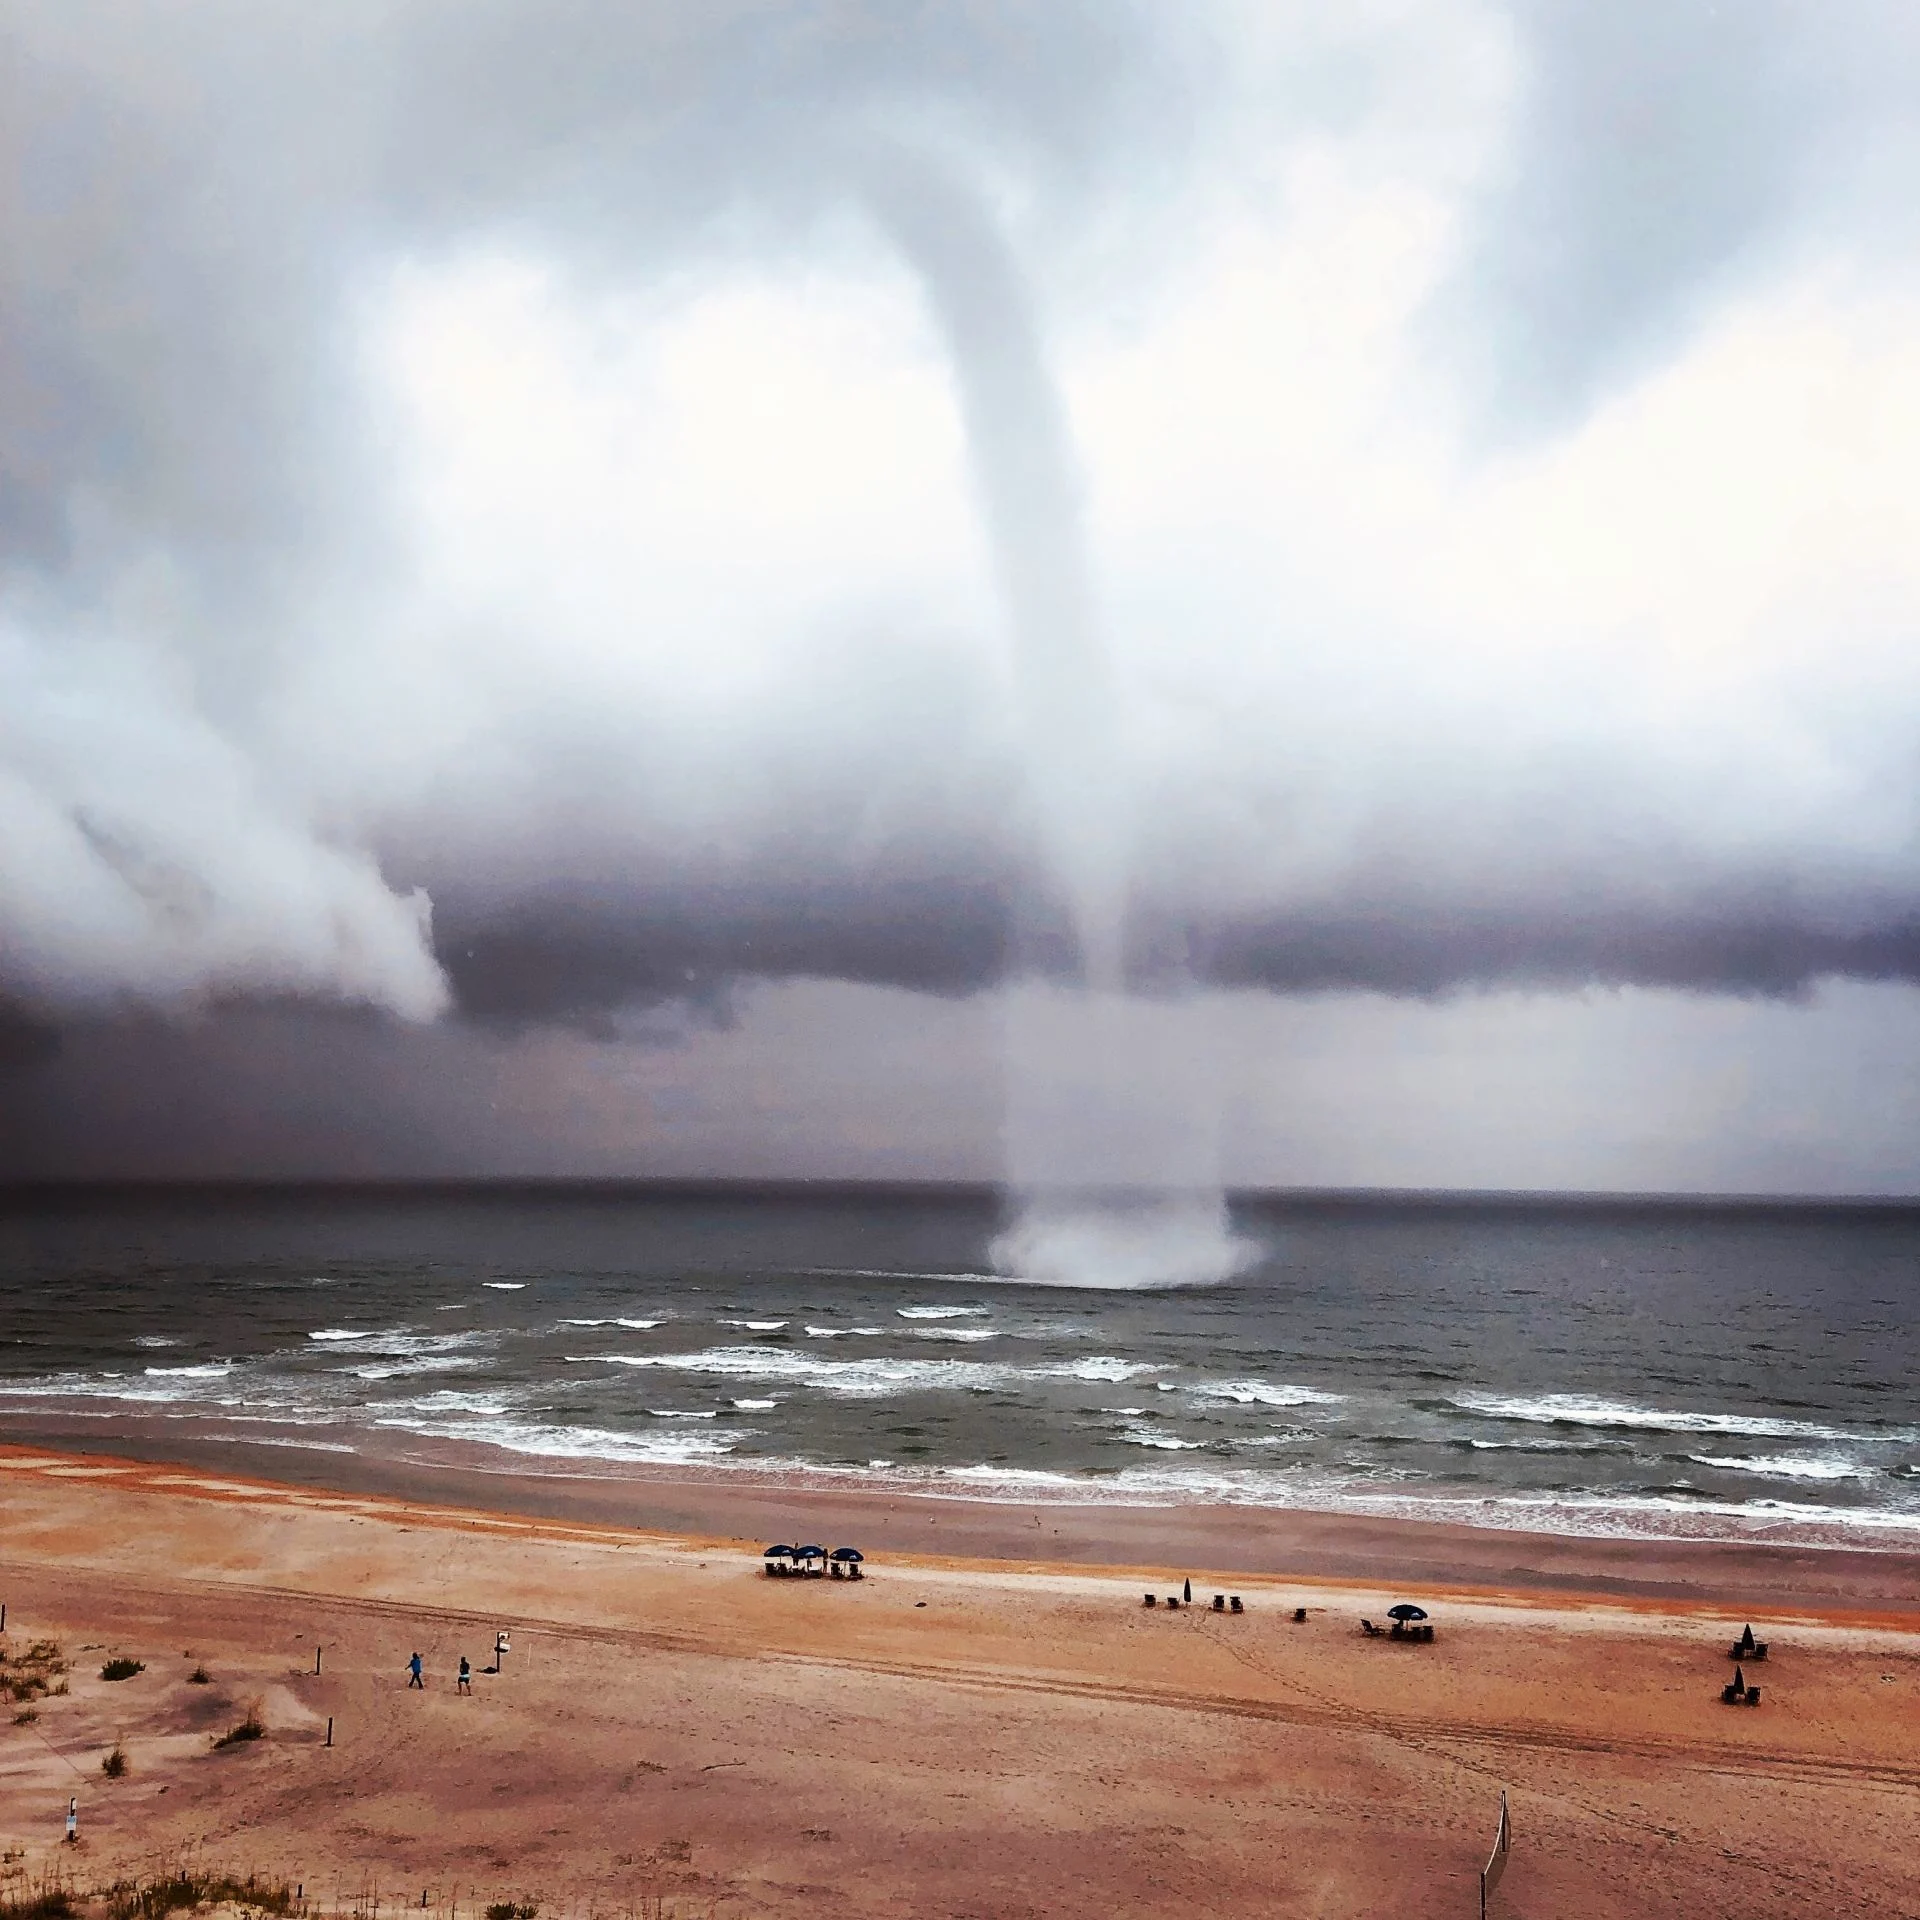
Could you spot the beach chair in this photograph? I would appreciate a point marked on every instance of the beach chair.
(1219, 1603)
(1233, 1604)
(1371, 1631)
(1753, 1696)
(1299, 1616)
(1150, 1601)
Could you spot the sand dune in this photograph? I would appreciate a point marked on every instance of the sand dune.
(951, 1736)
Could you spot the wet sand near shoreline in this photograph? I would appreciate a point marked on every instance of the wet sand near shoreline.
(741, 1503)
(982, 1727)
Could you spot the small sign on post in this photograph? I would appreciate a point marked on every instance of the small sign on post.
(1497, 1859)
(502, 1646)
(73, 1819)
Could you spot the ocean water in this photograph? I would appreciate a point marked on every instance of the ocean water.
(1649, 1368)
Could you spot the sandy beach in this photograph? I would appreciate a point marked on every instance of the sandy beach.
(958, 1734)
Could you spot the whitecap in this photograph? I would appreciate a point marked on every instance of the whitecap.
(756, 1326)
(505, 1286)
(400, 1369)
(969, 1334)
(1165, 1442)
(1580, 1410)
(1100, 1366)
(937, 1313)
(212, 1370)
(1260, 1393)
(1787, 1466)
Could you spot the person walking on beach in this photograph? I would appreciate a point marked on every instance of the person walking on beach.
(466, 1676)
(413, 1674)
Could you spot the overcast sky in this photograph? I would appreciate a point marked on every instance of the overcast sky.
(524, 530)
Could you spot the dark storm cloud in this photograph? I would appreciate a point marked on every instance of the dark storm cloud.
(195, 500)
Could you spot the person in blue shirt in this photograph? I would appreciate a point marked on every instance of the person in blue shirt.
(413, 1673)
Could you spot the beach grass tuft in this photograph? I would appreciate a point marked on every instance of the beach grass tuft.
(33, 1674)
(43, 1896)
(181, 1891)
(251, 1726)
(116, 1764)
(121, 1668)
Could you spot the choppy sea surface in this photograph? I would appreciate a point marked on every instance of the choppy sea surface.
(1647, 1368)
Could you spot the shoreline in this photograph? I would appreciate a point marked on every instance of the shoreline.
(736, 1506)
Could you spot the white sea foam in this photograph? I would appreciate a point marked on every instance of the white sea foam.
(1787, 1466)
(398, 1343)
(400, 1369)
(506, 1286)
(864, 1378)
(756, 1326)
(938, 1313)
(154, 1340)
(635, 1326)
(1580, 1410)
(969, 1334)
(680, 1413)
(676, 1447)
(835, 1333)
(211, 1370)
(854, 1379)
(756, 1406)
(1100, 1366)
(1261, 1393)
(1166, 1442)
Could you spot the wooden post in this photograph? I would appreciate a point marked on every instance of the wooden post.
(329, 1729)
(1497, 1859)
(316, 1657)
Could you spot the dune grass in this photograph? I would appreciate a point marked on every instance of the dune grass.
(252, 1726)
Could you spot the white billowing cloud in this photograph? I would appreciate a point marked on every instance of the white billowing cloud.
(143, 859)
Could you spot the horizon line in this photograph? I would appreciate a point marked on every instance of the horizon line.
(841, 1187)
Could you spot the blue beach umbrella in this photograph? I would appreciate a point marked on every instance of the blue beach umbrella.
(847, 1553)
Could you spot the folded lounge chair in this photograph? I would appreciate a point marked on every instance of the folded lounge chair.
(1370, 1630)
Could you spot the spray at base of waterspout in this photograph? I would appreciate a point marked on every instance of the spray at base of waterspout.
(1122, 1242)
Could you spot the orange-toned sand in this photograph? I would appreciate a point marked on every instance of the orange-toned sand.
(947, 1737)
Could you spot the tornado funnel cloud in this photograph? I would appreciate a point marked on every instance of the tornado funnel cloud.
(1112, 1111)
